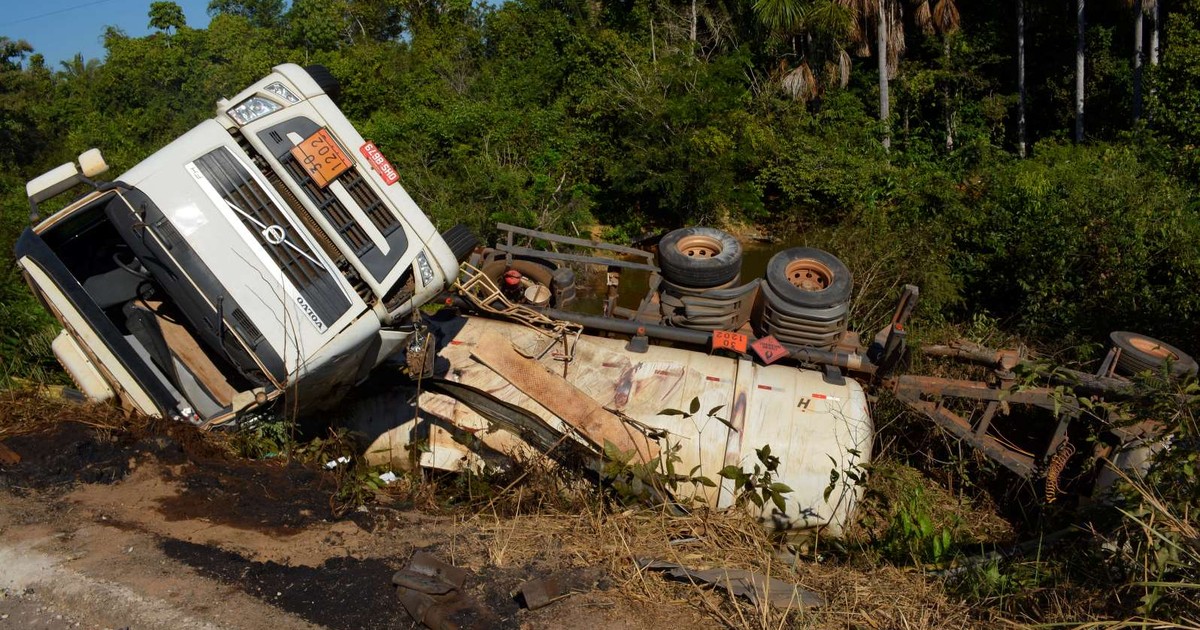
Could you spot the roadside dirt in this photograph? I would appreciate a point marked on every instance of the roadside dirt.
(103, 528)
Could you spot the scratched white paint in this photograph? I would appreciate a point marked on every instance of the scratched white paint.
(779, 405)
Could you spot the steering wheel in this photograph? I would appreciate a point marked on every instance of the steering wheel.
(130, 267)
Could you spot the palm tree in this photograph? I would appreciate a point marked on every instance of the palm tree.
(1080, 27)
(1021, 78)
(1139, 12)
(943, 19)
(815, 30)
(885, 16)
(835, 21)
(1155, 29)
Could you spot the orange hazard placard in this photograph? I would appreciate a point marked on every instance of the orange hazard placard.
(769, 349)
(321, 157)
(725, 340)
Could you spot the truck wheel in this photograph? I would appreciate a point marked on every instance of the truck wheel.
(809, 278)
(462, 241)
(1140, 353)
(325, 80)
(699, 257)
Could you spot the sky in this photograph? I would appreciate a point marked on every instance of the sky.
(60, 28)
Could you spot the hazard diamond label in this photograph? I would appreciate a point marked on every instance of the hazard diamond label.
(769, 349)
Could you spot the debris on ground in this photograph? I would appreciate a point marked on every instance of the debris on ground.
(334, 463)
(753, 586)
(8, 457)
(433, 594)
(544, 591)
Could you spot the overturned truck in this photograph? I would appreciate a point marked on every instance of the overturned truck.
(268, 260)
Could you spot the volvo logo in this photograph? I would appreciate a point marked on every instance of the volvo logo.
(274, 234)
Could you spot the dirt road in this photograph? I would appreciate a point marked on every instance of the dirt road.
(104, 529)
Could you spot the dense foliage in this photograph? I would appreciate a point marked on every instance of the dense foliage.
(644, 115)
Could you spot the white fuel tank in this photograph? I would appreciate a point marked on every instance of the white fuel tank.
(814, 427)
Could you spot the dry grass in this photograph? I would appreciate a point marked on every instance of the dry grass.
(538, 517)
(875, 597)
(32, 409)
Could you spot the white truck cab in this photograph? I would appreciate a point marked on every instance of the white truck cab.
(269, 249)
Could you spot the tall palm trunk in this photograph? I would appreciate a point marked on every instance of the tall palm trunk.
(694, 20)
(1080, 25)
(1155, 29)
(1137, 60)
(1021, 77)
(946, 97)
(881, 52)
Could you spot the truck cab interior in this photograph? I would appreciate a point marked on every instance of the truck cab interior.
(125, 298)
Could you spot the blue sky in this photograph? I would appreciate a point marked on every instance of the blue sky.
(60, 28)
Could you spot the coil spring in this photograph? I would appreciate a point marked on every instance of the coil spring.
(1054, 469)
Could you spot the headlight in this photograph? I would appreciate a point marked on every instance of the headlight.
(278, 89)
(253, 108)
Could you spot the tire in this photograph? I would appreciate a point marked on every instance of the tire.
(1140, 353)
(325, 80)
(670, 287)
(809, 278)
(462, 241)
(802, 326)
(699, 257)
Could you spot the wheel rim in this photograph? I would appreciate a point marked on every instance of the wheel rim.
(1153, 348)
(699, 246)
(809, 275)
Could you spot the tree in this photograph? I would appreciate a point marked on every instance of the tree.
(885, 16)
(165, 16)
(1080, 28)
(13, 52)
(942, 19)
(261, 13)
(1175, 104)
(1021, 143)
(1139, 12)
(316, 24)
(815, 30)
(15, 122)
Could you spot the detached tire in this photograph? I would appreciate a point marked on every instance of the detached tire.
(1140, 353)
(699, 257)
(325, 80)
(809, 278)
(462, 241)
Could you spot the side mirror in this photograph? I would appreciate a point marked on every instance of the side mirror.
(52, 183)
(92, 163)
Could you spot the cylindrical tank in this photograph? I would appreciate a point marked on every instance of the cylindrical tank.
(818, 429)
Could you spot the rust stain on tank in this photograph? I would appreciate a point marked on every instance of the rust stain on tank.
(670, 377)
(624, 387)
(737, 419)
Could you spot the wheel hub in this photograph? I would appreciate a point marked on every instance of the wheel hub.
(699, 246)
(1152, 348)
(809, 275)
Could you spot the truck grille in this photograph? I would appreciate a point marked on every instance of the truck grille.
(333, 209)
(266, 221)
(366, 198)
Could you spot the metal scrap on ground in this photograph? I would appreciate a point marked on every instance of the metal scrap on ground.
(8, 457)
(432, 593)
(755, 587)
(544, 591)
